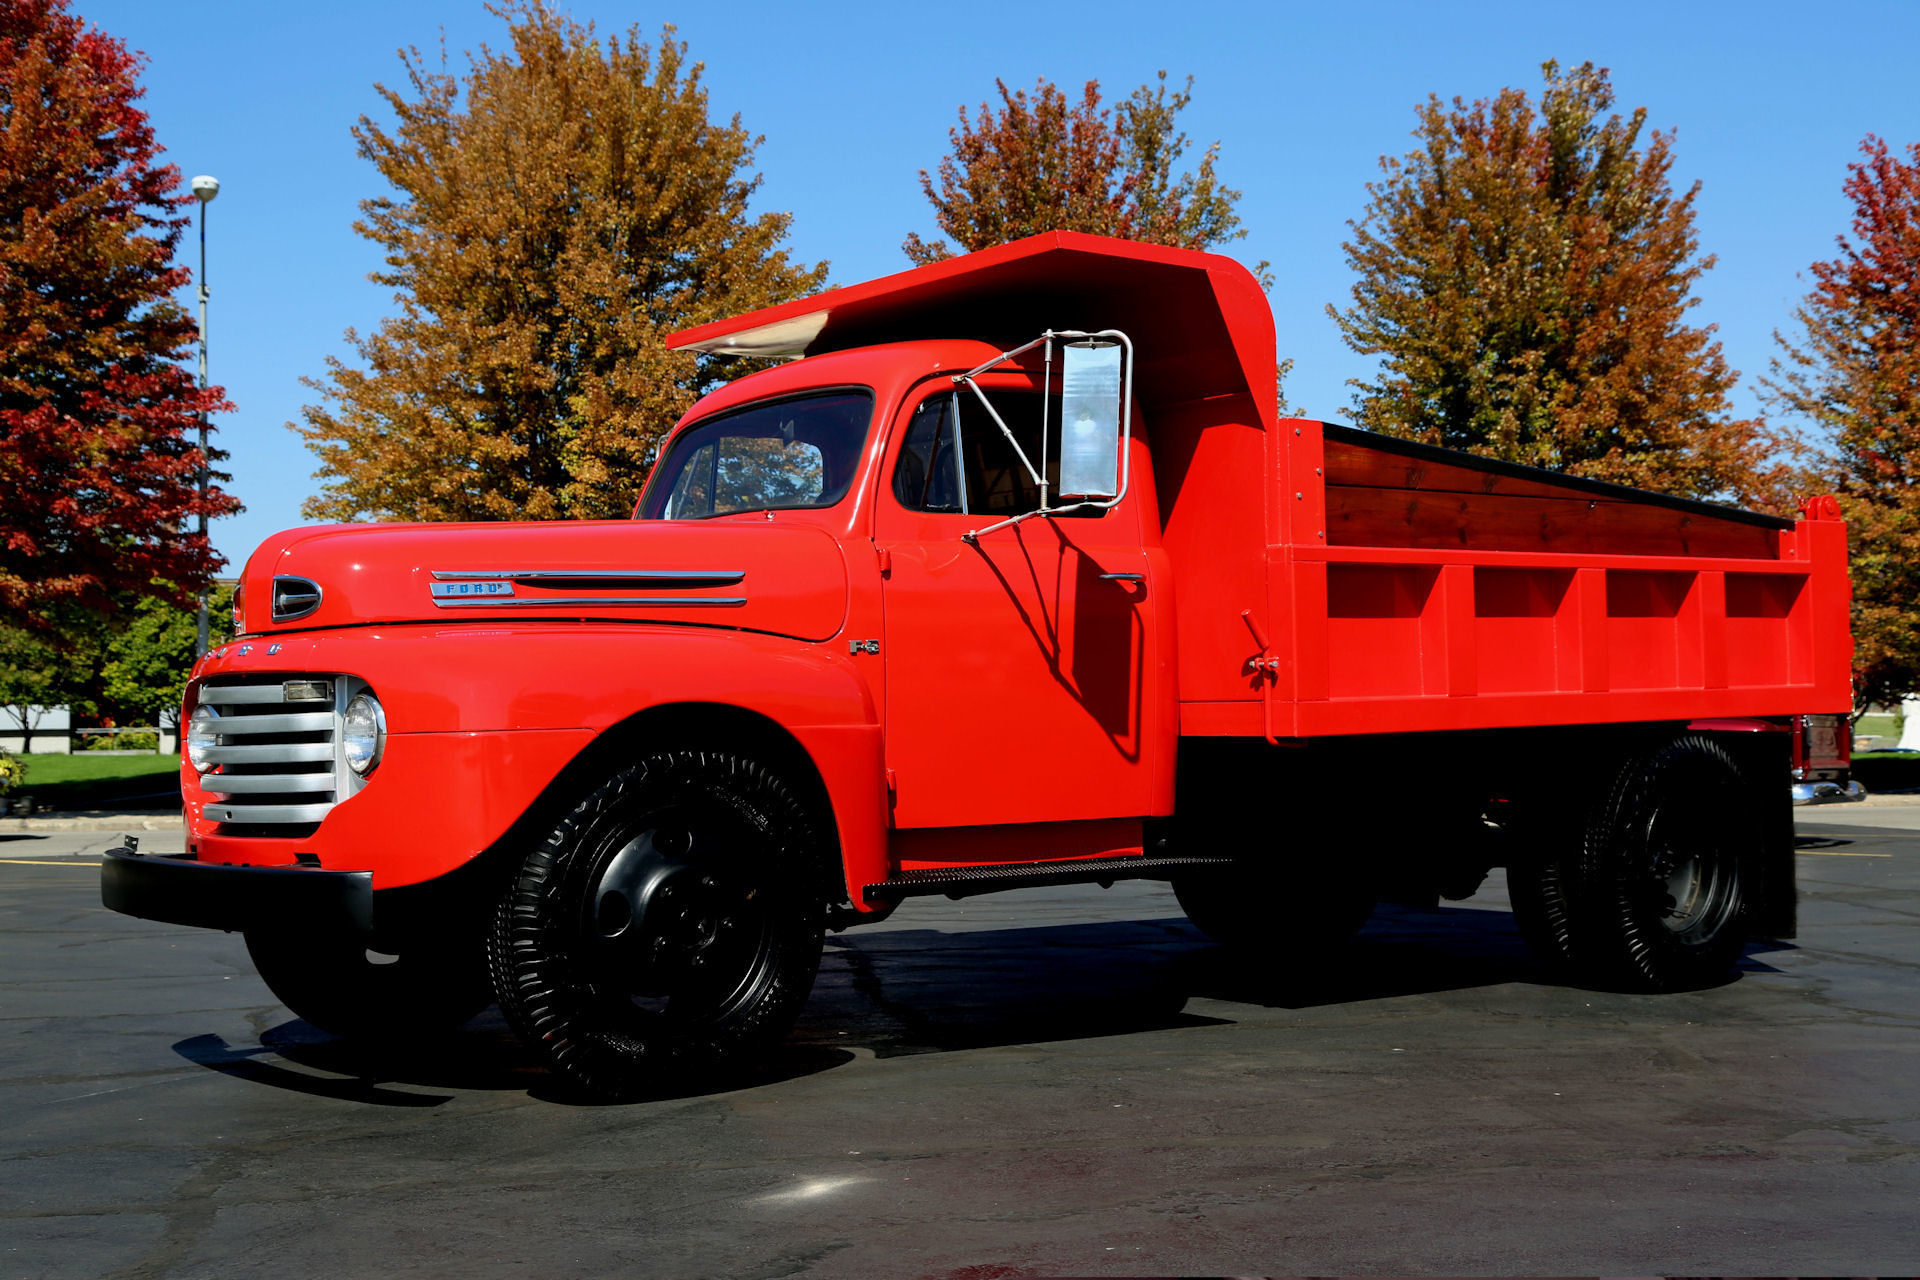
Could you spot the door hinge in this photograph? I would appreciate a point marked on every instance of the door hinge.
(885, 557)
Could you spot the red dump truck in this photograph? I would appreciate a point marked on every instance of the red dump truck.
(1016, 578)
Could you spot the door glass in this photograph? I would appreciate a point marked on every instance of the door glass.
(952, 424)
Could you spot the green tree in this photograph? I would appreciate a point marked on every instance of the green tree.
(1856, 374)
(1526, 272)
(558, 211)
(146, 658)
(1039, 163)
(32, 676)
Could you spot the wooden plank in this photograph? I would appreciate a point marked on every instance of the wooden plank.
(1494, 521)
(1356, 466)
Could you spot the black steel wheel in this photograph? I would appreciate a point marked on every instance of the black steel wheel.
(1648, 890)
(336, 984)
(668, 924)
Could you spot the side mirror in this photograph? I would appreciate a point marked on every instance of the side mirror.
(1090, 419)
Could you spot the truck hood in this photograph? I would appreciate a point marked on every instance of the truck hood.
(755, 576)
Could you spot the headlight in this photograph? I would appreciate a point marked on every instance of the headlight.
(203, 731)
(363, 733)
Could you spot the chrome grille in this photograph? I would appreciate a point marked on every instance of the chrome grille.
(279, 765)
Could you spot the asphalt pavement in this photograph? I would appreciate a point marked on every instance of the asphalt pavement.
(1067, 1081)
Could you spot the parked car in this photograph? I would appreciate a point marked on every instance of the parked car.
(1823, 760)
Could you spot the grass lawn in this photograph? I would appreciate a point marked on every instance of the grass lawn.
(1884, 729)
(93, 780)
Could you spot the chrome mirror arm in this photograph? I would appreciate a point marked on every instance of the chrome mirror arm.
(973, 536)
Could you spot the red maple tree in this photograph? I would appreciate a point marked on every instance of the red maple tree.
(97, 464)
(1856, 373)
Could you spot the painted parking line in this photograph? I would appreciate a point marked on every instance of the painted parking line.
(1838, 853)
(47, 862)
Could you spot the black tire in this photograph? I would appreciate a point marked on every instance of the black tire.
(333, 982)
(1264, 909)
(669, 924)
(1648, 890)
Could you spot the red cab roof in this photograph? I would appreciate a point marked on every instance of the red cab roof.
(1199, 322)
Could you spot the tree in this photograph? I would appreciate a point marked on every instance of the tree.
(96, 463)
(559, 210)
(1856, 374)
(1526, 275)
(143, 674)
(1039, 164)
(30, 680)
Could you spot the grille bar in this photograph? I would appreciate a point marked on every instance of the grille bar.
(269, 814)
(298, 722)
(240, 695)
(272, 753)
(267, 783)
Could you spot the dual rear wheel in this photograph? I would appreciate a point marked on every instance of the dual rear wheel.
(1646, 882)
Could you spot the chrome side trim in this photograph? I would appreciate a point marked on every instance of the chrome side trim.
(562, 603)
(560, 577)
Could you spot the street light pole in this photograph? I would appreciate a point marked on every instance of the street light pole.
(204, 190)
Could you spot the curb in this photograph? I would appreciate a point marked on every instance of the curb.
(153, 820)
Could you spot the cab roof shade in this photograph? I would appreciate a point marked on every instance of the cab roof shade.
(1199, 322)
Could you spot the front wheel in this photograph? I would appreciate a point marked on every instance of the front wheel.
(668, 924)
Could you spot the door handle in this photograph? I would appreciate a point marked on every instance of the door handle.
(1123, 577)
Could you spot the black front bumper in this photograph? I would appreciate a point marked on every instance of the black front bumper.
(182, 890)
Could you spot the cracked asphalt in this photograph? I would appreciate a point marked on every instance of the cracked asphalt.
(1056, 1082)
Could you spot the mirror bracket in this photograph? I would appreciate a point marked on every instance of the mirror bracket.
(1075, 338)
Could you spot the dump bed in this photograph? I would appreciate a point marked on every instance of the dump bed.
(1416, 588)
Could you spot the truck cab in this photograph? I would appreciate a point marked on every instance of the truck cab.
(1011, 575)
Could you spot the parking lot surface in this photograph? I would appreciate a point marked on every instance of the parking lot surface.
(1056, 1082)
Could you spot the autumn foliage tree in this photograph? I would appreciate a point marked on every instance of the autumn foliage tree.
(1856, 373)
(1525, 274)
(556, 212)
(1039, 163)
(97, 466)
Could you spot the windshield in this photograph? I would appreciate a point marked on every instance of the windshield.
(800, 452)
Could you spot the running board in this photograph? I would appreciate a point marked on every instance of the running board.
(965, 882)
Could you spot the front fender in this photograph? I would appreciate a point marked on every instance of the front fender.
(482, 720)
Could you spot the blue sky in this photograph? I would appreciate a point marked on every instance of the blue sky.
(1769, 102)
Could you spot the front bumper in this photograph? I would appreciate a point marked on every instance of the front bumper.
(1828, 792)
(183, 890)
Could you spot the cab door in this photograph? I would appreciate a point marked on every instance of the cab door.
(1017, 665)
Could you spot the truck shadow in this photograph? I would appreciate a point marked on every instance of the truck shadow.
(900, 992)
